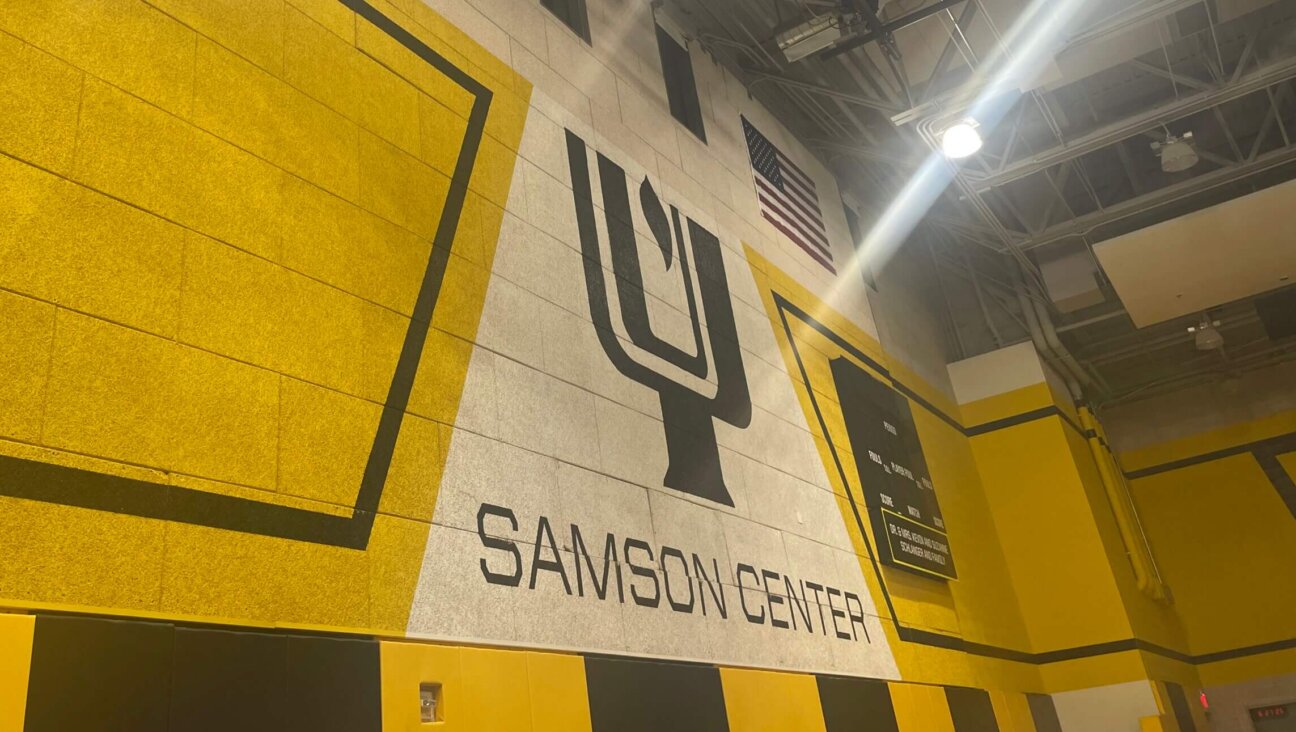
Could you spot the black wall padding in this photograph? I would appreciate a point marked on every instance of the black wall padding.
(971, 709)
(856, 705)
(644, 696)
(228, 681)
(1179, 703)
(1043, 713)
(92, 675)
(335, 685)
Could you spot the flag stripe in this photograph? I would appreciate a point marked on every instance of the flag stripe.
(799, 200)
(809, 218)
(799, 174)
(792, 226)
(807, 249)
(791, 217)
(807, 197)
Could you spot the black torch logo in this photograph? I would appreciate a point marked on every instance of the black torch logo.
(694, 458)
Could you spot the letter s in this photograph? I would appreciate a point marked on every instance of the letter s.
(504, 545)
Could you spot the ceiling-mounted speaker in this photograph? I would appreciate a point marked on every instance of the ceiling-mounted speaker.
(1277, 313)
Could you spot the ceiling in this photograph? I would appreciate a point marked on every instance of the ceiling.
(1179, 268)
(1069, 166)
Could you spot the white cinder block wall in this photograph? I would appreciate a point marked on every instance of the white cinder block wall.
(549, 429)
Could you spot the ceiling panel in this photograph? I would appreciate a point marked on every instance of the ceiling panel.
(1206, 258)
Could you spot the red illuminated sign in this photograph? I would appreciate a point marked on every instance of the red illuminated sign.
(1278, 711)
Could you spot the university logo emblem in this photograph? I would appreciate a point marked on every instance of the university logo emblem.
(694, 457)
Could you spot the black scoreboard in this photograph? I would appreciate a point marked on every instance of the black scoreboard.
(898, 490)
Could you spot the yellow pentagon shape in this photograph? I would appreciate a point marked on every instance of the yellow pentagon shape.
(273, 264)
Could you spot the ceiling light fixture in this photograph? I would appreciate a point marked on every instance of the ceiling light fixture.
(810, 37)
(961, 139)
(1207, 335)
(1177, 153)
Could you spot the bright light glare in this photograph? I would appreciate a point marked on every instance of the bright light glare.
(960, 140)
(1038, 33)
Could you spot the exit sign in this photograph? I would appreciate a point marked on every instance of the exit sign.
(1277, 711)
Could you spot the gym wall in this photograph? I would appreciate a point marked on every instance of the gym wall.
(331, 379)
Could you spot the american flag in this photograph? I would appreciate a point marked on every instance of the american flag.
(787, 197)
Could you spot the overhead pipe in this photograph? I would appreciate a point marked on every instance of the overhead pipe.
(1048, 344)
(1147, 576)
(1041, 343)
(1055, 344)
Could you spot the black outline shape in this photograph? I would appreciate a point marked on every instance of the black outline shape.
(688, 418)
(40, 481)
(955, 643)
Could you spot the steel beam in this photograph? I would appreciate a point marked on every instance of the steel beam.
(947, 53)
(1130, 126)
(757, 75)
(1187, 81)
(1135, 14)
(888, 29)
(1084, 224)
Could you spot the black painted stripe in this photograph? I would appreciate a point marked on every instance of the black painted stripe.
(1013, 421)
(1278, 444)
(1236, 653)
(784, 305)
(1188, 462)
(1043, 713)
(1266, 452)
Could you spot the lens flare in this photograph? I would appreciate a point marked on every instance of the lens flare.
(960, 140)
(1037, 35)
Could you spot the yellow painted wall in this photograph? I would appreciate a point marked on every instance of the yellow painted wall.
(1046, 523)
(217, 218)
(1151, 620)
(1224, 542)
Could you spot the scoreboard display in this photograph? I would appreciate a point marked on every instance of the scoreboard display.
(898, 490)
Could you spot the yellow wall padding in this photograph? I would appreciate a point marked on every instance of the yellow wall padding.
(16, 633)
(921, 708)
(765, 701)
(1012, 711)
(484, 690)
